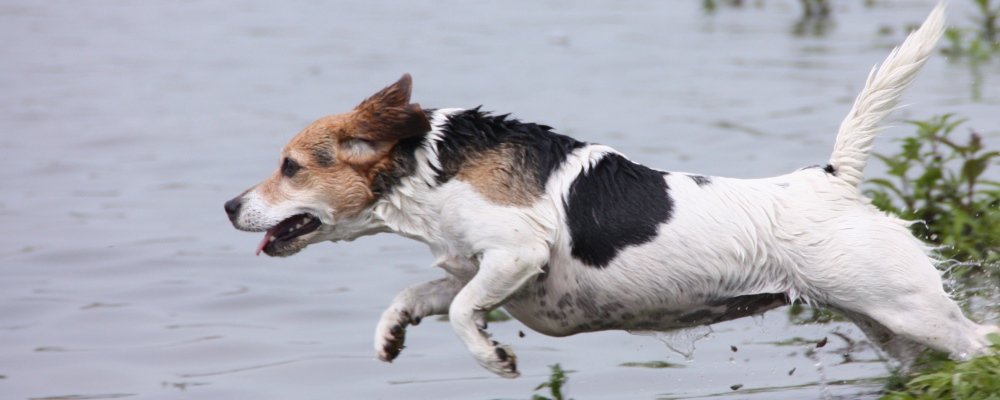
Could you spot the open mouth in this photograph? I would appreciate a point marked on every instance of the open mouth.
(286, 231)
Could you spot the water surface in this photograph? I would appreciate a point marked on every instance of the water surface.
(125, 125)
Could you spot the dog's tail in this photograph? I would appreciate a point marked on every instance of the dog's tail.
(879, 97)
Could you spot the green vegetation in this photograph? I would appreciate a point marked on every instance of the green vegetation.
(965, 43)
(977, 44)
(801, 314)
(980, 41)
(939, 181)
(557, 378)
(497, 315)
(978, 378)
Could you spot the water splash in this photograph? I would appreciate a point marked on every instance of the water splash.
(973, 286)
(681, 341)
(813, 354)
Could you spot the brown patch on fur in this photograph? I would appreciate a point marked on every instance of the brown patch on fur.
(341, 154)
(495, 175)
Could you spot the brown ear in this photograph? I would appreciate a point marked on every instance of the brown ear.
(375, 133)
(380, 121)
(394, 95)
(392, 123)
(389, 115)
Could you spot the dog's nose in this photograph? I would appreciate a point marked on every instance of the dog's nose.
(233, 207)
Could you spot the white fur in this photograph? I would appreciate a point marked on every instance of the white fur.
(881, 95)
(357, 148)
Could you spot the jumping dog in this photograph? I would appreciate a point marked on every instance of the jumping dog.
(573, 237)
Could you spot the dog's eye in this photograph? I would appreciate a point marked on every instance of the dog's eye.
(289, 167)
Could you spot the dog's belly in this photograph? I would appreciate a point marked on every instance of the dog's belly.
(577, 311)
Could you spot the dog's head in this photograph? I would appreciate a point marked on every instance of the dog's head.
(323, 188)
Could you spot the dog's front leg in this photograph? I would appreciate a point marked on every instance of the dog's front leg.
(501, 274)
(409, 307)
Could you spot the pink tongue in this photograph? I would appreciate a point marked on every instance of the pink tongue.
(265, 241)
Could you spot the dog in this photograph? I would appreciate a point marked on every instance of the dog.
(573, 237)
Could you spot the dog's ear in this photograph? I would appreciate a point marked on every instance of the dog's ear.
(394, 95)
(389, 115)
(382, 120)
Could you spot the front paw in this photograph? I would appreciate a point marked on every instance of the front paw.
(391, 334)
(501, 361)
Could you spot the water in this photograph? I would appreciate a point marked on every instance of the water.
(126, 125)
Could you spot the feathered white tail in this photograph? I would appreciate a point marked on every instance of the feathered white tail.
(879, 97)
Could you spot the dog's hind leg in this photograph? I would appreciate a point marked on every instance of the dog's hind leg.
(887, 277)
(409, 307)
(932, 319)
(903, 350)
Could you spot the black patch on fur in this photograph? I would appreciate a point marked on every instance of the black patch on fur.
(403, 163)
(616, 204)
(697, 316)
(565, 301)
(501, 354)
(544, 274)
(828, 168)
(538, 150)
(700, 180)
(752, 304)
(323, 156)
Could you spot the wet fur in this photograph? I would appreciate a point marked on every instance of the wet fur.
(572, 237)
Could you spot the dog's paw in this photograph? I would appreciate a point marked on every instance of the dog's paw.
(501, 361)
(390, 335)
(390, 344)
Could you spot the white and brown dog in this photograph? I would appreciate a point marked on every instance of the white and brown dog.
(573, 237)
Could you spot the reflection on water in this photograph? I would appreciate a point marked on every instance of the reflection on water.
(126, 125)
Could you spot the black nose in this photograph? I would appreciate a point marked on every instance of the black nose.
(233, 207)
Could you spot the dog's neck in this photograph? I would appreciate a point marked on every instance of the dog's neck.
(407, 203)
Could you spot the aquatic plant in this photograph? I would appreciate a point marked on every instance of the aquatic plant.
(802, 314)
(978, 378)
(709, 6)
(989, 21)
(497, 315)
(939, 182)
(979, 41)
(977, 44)
(816, 8)
(557, 378)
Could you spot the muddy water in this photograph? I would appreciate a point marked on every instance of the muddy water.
(125, 125)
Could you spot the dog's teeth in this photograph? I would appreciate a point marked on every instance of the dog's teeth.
(298, 226)
(271, 239)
